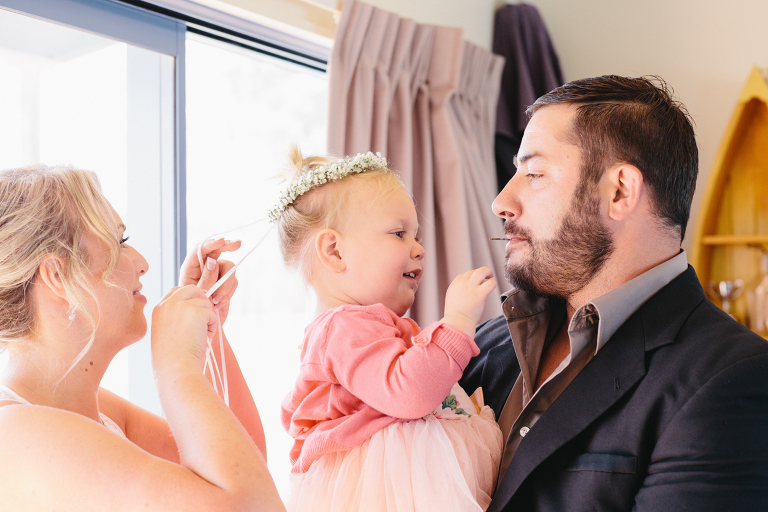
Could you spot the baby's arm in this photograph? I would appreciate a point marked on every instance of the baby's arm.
(371, 360)
(465, 299)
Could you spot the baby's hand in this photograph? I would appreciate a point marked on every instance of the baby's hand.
(465, 299)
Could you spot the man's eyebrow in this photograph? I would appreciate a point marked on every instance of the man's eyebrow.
(520, 160)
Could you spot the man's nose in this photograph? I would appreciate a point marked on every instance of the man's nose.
(506, 204)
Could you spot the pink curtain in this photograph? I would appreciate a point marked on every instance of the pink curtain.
(426, 100)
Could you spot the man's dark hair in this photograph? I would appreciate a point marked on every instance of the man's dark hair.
(634, 121)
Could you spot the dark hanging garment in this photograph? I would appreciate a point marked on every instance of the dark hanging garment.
(532, 69)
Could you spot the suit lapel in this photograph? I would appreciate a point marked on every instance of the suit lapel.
(616, 368)
(620, 364)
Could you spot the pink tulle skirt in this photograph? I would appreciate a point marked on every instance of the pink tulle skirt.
(442, 462)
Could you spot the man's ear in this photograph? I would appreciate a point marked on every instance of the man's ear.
(624, 183)
(50, 275)
(328, 250)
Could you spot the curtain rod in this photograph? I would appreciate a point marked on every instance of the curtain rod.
(225, 34)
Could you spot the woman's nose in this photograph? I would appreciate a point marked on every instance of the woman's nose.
(141, 264)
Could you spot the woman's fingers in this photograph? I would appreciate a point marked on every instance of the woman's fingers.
(214, 248)
(181, 325)
(224, 293)
(190, 270)
(210, 274)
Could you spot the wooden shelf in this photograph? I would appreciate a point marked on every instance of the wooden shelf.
(735, 199)
(735, 240)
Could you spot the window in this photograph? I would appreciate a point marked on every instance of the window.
(185, 132)
(72, 97)
(243, 112)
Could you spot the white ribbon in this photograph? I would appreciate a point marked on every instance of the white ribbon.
(210, 356)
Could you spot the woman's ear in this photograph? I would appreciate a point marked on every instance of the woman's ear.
(328, 250)
(50, 275)
(625, 186)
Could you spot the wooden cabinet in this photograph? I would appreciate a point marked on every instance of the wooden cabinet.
(732, 223)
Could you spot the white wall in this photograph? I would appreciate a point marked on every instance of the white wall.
(703, 48)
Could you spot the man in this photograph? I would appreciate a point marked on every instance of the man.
(617, 385)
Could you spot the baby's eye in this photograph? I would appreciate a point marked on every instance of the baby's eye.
(418, 240)
(399, 234)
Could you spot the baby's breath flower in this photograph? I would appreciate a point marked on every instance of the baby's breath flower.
(330, 172)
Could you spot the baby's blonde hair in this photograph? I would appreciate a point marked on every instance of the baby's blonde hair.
(322, 207)
(48, 211)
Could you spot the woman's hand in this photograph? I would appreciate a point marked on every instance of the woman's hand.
(212, 270)
(181, 325)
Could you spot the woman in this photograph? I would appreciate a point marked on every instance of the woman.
(69, 301)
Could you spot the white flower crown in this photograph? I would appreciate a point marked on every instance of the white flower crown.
(329, 172)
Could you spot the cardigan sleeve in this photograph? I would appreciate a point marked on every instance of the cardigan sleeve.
(372, 358)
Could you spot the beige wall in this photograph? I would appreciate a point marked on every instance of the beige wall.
(704, 49)
(474, 16)
(316, 16)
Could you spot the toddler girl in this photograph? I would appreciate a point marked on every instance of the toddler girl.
(378, 422)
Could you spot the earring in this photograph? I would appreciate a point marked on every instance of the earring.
(71, 313)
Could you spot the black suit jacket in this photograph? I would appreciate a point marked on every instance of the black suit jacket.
(671, 414)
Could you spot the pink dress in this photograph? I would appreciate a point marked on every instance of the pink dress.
(379, 422)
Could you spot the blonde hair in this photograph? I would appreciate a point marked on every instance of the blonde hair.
(322, 207)
(48, 211)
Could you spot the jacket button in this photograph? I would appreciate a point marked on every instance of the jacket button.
(524, 431)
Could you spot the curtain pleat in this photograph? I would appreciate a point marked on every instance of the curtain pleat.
(425, 100)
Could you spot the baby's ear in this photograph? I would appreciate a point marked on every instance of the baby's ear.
(327, 247)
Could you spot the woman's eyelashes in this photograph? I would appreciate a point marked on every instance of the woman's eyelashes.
(123, 240)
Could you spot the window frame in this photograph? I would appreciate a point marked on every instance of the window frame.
(161, 26)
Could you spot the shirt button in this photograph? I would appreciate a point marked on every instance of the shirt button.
(524, 431)
(420, 339)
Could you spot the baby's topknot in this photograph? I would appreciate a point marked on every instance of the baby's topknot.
(299, 165)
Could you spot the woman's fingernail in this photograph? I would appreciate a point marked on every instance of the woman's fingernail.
(216, 298)
(217, 307)
(210, 263)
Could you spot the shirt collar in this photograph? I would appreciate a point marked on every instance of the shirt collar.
(617, 305)
(613, 308)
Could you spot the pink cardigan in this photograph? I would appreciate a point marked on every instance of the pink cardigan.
(362, 368)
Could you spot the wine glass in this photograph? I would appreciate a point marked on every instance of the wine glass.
(725, 292)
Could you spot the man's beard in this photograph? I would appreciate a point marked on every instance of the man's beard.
(565, 264)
